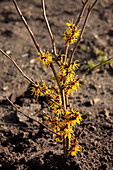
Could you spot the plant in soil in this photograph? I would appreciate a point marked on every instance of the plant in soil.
(63, 117)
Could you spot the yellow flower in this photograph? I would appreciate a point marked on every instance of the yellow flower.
(71, 33)
(67, 73)
(72, 86)
(41, 89)
(35, 89)
(46, 58)
(73, 117)
(75, 148)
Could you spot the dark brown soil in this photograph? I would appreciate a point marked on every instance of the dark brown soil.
(25, 144)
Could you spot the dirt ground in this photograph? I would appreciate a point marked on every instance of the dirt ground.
(25, 144)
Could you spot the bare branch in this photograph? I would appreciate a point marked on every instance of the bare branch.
(72, 54)
(83, 28)
(65, 53)
(48, 27)
(34, 119)
(77, 22)
(61, 90)
(81, 132)
(27, 26)
(81, 12)
(55, 74)
(22, 73)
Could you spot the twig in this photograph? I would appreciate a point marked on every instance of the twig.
(81, 13)
(48, 27)
(81, 132)
(65, 53)
(31, 33)
(61, 90)
(27, 26)
(93, 68)
(83, 28)
(28, 115)
(63, 99)
(55, 74)
(72, 54)
(22, 73)
(77, 22)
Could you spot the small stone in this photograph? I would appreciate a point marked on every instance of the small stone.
(106, 113)
(99, 86)
(8, 52)
(89, 113)
(96, 100)
(25, 55)
(5, 88)
(32, 61)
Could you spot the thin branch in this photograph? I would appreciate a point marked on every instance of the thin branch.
(81, 132)
(22, 73)
(55, 74)
(65, 53)
(34, 119)
(67, 101)
(72, 54)
(61, 90)
(27, 26)
(87, 71)
(83, 28)
(31, 33)
(48, 27)
(54, 102)
(82, 11)
(77, 22)
(63, 99)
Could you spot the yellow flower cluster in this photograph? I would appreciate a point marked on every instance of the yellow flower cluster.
(52, 93)
(57, 105)
(63, 125)
(72, 86)
(62, 122)
(75, 147)
(67, 77)
(72, 117)
(46, 58)
(40, 90)
(71, 33)
(63, 119)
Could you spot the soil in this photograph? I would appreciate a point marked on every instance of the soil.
(24, 144)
